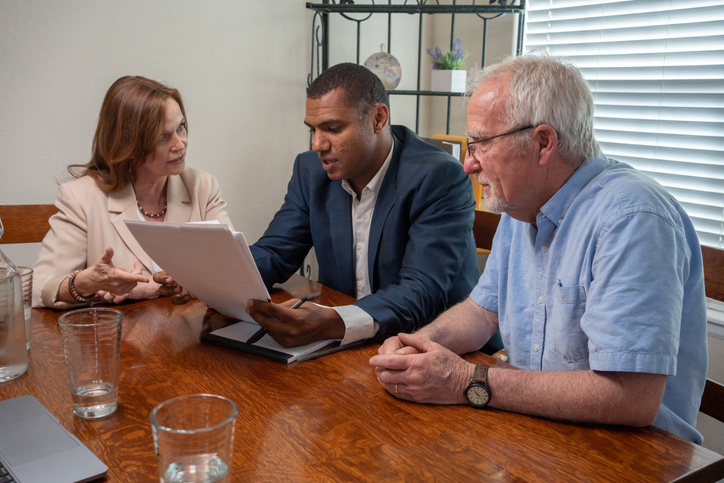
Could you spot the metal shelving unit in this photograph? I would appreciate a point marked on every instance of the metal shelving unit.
(320, 33)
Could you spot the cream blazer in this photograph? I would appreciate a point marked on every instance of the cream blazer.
(88, 220)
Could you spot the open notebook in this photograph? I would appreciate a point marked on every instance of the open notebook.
(236, 335)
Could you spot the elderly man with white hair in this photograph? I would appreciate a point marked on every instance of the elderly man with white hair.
(595, 277)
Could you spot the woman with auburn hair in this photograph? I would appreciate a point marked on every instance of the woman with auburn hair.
(137, 171)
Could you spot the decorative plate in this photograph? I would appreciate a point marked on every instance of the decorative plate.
(386, 67)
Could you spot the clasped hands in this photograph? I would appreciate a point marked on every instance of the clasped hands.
(414, 368)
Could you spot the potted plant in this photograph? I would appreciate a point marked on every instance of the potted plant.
(448, 73)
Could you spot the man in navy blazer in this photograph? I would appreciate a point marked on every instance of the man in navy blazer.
(389, 215)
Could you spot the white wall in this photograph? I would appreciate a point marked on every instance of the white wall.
(241, 66)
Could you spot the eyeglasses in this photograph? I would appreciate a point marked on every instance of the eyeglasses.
(471, 148)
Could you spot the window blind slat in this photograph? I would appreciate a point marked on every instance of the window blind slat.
(662, 113)
(690, 86)
(713, 71)
(698, 101)
(619, 148)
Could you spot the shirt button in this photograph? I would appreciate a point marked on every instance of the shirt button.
(544, 248)
(560, 221)
(536, 348)
(540, 299)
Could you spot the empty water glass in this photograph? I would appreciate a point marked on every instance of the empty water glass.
(194, 438)
(92, 344)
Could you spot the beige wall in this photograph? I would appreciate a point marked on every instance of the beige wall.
(240, 65)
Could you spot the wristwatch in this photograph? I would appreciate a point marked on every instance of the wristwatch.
(478, 393)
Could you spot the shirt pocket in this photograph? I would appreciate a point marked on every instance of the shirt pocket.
(565, 339)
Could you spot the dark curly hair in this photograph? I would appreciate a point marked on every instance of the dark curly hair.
(362, 89)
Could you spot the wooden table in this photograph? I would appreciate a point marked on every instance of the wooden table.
(328, 419)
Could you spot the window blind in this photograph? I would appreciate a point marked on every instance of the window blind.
(656, 69)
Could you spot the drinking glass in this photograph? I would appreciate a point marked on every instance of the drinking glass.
(92, 344)
(194, 438)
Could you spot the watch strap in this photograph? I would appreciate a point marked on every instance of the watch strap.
(480, 374)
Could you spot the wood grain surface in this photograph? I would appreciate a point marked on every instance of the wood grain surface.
(328, 419)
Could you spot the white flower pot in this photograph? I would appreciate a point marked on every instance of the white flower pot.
(448, 80)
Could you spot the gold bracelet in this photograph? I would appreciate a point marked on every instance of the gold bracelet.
(74, 292)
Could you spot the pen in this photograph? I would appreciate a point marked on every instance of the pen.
(325, 352)
(305, 298)
(262, 332)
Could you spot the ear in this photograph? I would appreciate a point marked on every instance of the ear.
(547, 139)
(380, 116)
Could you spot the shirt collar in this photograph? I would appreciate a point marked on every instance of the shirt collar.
(376, 182)
(555, 209)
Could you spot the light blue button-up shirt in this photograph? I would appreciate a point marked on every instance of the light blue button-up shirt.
(610, 278)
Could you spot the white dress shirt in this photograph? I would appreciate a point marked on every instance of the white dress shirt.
(358, 323)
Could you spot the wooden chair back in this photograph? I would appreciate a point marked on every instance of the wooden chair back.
(713, 272)
(484, 228)
(25, 223)
(712, 402)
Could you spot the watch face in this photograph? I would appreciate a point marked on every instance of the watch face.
(478, 396)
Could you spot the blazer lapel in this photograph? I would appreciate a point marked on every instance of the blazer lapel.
(383, 205)
(178, 201)
(122, 206)
(340, 221)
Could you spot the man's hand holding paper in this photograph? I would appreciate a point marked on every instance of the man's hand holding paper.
(169, 287)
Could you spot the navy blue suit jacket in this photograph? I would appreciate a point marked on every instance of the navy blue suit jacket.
(421, 249)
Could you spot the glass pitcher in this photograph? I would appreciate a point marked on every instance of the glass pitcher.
(13, 349)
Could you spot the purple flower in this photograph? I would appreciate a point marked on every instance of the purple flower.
(456, 45)
(450, 60)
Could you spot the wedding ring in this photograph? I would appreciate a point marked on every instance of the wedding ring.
(396, 392)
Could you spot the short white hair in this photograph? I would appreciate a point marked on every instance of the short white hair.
(545, 90)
